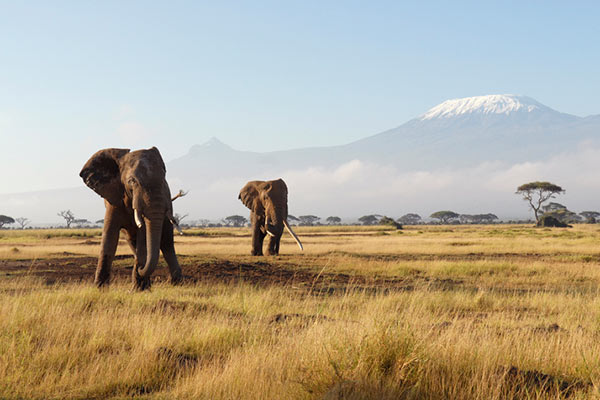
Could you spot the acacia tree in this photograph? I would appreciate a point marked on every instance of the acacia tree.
(537, 193)
(5, 220)
(466, 219)
(565, 215)
(308, 220)
(333, 220)
(235, 220)
(410, 219)
(371, 219)
(22, 221)
(389, 221)
(203, 222)
(68, 216)
(485, 218)
(444, 217)
(552, 206)
(591, 217)
(477, 218)
(79, 223)
(561, 213)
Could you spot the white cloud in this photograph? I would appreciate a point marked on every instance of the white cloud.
(356, 188)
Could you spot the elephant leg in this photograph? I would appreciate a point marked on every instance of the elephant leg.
(258, 235)
(273, 248)
(132, 241)
(131, 235)
(140, 283)
(167, 246)
(108, 248)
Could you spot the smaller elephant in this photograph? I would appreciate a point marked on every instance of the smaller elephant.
(267, 201)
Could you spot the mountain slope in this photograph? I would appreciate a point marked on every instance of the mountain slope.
(456, 133)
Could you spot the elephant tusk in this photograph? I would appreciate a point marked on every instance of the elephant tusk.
(289, 228)
(267, 227)
(138, 217)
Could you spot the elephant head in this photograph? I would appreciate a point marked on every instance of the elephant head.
(136, 194)
(268, 202)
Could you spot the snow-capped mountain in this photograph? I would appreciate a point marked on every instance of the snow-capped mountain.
(492, 104)
(455, 133)
(463, 132)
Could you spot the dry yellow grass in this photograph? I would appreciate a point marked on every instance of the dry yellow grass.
(462, 312)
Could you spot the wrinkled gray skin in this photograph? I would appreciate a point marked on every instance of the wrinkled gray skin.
(127, 181)
(267, 201)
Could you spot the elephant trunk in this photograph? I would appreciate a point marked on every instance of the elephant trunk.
(274, 220)
(154, 225)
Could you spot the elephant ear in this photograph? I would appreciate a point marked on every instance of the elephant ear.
(249, 195)
(102, 174)
(159, 157)
(280, 186)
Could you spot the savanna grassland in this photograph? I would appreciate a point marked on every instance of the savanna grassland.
(430, 312)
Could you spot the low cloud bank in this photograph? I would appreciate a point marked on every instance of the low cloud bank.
(357, 188)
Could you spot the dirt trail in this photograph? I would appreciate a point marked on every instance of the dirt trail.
(262, 272)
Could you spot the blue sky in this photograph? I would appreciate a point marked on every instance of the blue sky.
(79, 76)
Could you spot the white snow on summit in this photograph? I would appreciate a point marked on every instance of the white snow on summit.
(491, 104)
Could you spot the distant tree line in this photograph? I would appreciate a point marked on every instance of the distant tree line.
(537, 194)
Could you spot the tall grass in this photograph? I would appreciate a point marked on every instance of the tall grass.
(513, 322)
(217, 341)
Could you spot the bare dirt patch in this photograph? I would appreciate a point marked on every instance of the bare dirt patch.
(262, 272)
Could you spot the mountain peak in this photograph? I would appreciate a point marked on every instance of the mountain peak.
(490, 104)
(213, 141)
(213, 144)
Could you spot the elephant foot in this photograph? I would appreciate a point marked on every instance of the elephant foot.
(141, 284)
(272, 253)
(176, 279)
(256, 253)
(102, 280)
(101, 283)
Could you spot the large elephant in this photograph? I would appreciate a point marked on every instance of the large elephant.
(267, 201)
(138, 201)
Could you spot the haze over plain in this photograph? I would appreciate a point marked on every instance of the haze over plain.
(267, 77)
